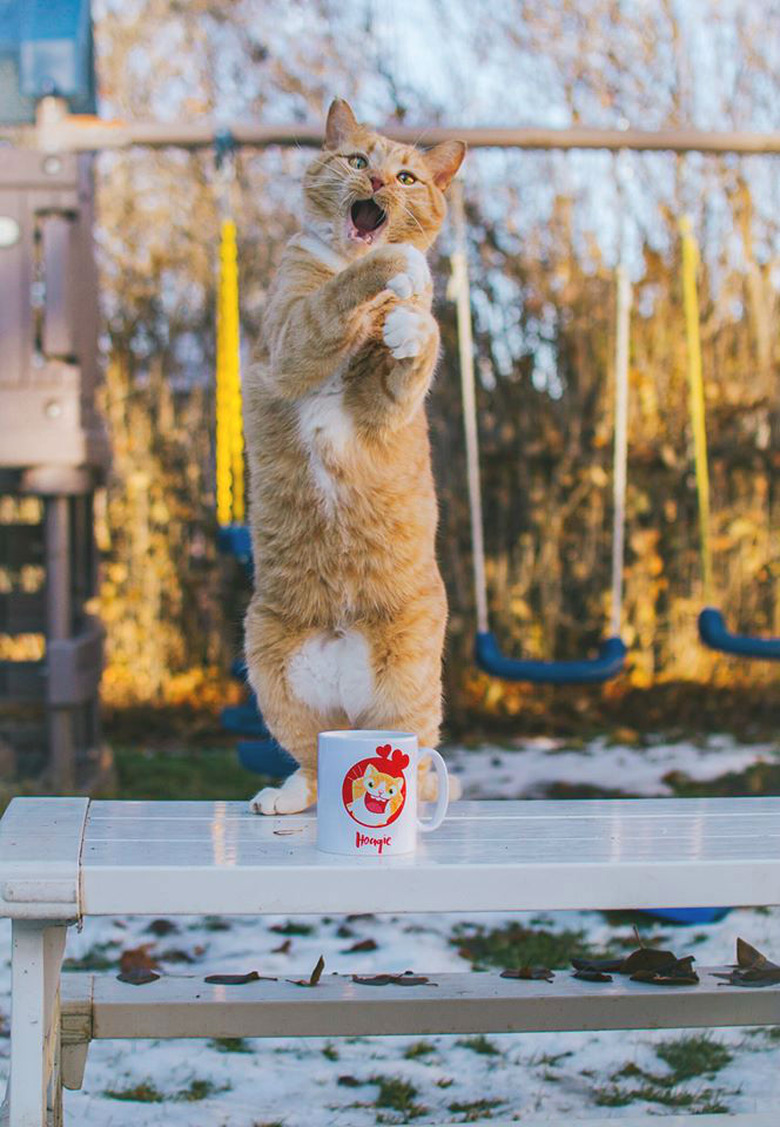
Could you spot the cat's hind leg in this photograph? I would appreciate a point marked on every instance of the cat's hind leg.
(407, 668)
(270, 649)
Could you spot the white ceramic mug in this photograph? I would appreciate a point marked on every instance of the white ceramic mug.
(367, 792)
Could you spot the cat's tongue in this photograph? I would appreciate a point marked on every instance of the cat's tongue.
(375, 805)
(367, 216)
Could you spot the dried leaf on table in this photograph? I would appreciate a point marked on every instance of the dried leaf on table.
(678, 972)
(138, 959)
(530, 974)
(314, 978)
(590, 974)
(753, 968)
(283, 948)
(408, 978)
(645, 960)
(137, 976)
(236, 979)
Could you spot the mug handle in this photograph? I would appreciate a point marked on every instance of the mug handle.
(443, 798)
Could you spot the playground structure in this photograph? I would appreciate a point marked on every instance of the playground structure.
(54, 144)
(53, 448)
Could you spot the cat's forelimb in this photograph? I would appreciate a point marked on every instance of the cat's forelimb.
(407, 331)
(295, 794)
(415, 278)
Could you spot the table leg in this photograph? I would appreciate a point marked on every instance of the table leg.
(37, 950)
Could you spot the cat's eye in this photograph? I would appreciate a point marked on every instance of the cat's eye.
(407, 178)
(358, 161)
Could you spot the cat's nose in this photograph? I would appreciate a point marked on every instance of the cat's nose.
(376, 183)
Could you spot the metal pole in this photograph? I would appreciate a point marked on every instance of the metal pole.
(460, 285)
(57, 131)
(59, 627)
(621, 444)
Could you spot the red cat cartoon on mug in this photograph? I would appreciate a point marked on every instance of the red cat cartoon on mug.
(374, 790)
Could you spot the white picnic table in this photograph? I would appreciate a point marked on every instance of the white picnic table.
(65, 859)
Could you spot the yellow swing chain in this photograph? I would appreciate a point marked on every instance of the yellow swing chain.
(690, 263)
(230, 430)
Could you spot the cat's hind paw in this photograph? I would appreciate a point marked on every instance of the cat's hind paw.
(415, 278)
(294, 795)
(406, 331)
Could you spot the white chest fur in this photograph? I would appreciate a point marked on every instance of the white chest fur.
(326, 431)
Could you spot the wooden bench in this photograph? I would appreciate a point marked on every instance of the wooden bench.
(62, 860)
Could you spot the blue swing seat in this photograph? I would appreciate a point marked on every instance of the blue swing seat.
(609, 661)
(688, 915)
(266, 757)
(715, 634)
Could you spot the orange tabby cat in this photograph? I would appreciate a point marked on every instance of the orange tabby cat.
(346, 625)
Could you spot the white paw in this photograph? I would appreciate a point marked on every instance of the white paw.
(415, 279)
(294, 795)
(406, 331)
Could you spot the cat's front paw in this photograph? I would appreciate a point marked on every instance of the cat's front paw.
(294, 795)
(414, 278)
(406, 331)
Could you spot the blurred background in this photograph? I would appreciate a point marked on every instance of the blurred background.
(545, 234)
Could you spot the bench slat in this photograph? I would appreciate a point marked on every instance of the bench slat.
(450, 1003)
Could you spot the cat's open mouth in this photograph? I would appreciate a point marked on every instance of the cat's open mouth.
(366, 219)
(375, 805)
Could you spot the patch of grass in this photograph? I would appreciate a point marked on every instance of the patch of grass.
(397, 1094)
(419, 1049)
(230, 1045)
(515, 945)
(197, 1091)
(100, 956)
(757, 779)
(143, 1093)
(688, 1057)
(206, 773)
(213, 923)
(293, 928)
(476, 1109)
(480, 1044)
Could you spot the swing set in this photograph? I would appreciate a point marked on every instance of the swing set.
(266, 756)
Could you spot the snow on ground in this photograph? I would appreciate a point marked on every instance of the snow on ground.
(319, 1083)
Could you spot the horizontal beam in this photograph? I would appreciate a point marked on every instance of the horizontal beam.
(448, 1003)
(57, 131)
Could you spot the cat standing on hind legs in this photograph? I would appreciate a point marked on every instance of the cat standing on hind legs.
(346, 625)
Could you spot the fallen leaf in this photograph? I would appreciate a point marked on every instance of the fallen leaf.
(678, 972)
(408, 978)
(349, 1082)
(645, 960)
(363, 945)
(137, 976)
(587, 974)
(753, 968)
(530, 974)
(138, 958)
(161, 928)
(598, 966)
(283, 948)
(236, 979)
(748, 956)
(314, 978)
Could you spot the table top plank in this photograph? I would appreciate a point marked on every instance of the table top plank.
(190, 858)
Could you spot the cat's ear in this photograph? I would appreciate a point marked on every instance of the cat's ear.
(444, 160)
(341, 124)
